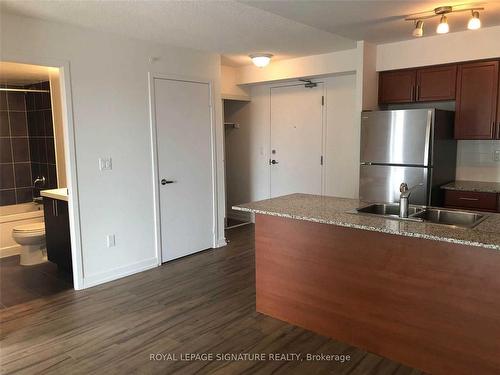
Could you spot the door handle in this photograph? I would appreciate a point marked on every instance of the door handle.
(272, 161)
(164, 182)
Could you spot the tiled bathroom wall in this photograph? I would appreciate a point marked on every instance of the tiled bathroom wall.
(15, 165)
(41, 136)
(27, 148)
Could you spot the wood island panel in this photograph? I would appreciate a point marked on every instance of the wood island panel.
(429, 304)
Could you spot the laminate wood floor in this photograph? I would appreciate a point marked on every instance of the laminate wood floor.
(204, 303)
(21, 284)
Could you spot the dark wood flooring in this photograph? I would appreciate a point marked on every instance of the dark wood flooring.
(21, 284)
(204, 303)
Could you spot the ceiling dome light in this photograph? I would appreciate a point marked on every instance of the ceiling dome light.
(443, 26)
(261, 60)
(418, 31)
(474, 22)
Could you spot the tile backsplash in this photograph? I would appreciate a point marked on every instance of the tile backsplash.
(475, 161)
(26, 144)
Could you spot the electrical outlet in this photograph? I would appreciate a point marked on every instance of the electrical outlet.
(496, 155)
(110, 240)
(105, 164)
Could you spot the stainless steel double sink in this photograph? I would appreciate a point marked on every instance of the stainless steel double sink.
(457, 218)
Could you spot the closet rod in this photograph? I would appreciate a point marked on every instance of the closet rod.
(22, 90)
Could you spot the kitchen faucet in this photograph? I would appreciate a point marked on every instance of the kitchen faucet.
(404, 198)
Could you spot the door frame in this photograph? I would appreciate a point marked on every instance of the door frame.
(323, 130)
(69, 154)
(154, 156)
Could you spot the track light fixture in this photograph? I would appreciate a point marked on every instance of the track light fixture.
(443, 27)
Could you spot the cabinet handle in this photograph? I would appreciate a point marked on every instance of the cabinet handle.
(54, 208)
(417, 95)
(468, 199)
(412, 93)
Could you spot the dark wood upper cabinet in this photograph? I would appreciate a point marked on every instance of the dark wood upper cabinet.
(477, 100)
(397, 86)
(498, 125)
(436, 83)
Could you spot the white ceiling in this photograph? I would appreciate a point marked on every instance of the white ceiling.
(376, 21)
(227, 27)
(236, 29)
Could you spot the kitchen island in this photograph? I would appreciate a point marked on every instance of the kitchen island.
(423, 294)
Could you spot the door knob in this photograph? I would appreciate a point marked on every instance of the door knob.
(164, 182)
(274, 161)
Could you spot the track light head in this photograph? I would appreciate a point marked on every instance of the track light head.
(418, 31)
(474, 23)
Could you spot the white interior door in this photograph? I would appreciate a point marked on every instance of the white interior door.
(184, 143)
(296, 139)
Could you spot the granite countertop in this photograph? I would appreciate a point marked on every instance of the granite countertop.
(478, 186)
(61, 194)
(332, 210)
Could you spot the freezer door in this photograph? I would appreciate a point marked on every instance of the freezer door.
(396, 137)
(380, 183)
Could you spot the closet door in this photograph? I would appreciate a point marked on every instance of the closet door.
(184, 142)
(296, 139)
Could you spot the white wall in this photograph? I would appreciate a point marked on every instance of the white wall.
(238, 151)
(475, 161)
(109, 87)
(248, 152)
(229, 84)
(308, 66)
(439, 49)
(342, 141)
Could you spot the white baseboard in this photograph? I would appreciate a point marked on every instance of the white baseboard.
(10, 251)
(221, 242)
(118, 273)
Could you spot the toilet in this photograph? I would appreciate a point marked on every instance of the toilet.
(31, 237)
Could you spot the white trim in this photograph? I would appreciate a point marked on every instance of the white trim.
(119, 272)
(241, 98)
(216, 242)
(70, 156)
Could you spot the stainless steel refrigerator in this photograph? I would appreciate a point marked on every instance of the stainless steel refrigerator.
(415, 146)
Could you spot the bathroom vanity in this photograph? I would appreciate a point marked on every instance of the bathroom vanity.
(57, 232)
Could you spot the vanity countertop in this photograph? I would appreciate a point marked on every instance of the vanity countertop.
(61, 194)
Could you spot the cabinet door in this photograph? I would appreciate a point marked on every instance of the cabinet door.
(436, 83)
(397, 86)
(57, 233)
(51, 228)
(471, 200)
(477, 99)
(498, 122)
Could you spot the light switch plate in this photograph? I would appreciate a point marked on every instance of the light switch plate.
(110, 240)
(105, 164)
(496, 155)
